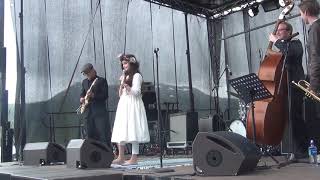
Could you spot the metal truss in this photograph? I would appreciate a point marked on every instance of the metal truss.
(204, 10)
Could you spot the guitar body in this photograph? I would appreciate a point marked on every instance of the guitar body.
(84, 105)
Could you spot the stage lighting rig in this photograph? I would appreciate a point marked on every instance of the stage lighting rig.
(253, 11)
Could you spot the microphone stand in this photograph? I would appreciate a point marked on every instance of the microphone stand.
(285, 57)
(218, 117)
(291, 147)
(160, 131)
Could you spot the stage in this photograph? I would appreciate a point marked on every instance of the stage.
(266, 169)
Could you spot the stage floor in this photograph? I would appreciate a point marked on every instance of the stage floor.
(145, 170)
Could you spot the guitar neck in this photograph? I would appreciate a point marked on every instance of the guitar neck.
(92, 85)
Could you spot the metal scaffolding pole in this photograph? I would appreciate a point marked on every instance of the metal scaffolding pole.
(6, 133)
(189, 66)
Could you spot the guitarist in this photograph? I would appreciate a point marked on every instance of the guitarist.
(97, 124)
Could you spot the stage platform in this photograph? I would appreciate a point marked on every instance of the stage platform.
(145, 171)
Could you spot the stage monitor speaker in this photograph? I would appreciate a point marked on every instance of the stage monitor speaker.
(43, 153)
(223, 153)
(183, 126)
(88, 153)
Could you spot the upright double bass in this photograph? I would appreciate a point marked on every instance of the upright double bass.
(270, 115)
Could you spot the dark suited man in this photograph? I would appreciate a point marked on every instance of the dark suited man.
(309, 11)
(97, 124)
(293, 50)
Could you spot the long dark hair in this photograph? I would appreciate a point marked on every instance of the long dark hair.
(133, 67)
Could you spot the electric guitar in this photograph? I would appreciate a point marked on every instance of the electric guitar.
(84, 105)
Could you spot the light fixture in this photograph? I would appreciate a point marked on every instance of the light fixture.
(271, 5)
(283, 3)
(253, 11)
(250, 5)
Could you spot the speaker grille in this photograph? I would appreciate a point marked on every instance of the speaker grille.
(95, 156)
(214, 158)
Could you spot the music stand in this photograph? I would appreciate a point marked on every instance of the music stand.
(251, 89)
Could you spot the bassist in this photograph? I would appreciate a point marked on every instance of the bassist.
(293, 49)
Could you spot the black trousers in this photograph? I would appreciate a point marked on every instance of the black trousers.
(312, 117)
(311, 113)
(298, 132)
(299, 129)
(97, 126)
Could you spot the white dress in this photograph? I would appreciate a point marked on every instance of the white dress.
(130, 123)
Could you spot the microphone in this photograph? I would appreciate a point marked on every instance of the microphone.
(288, 39)
(229, 70)
(156, 50)
(292, 36)
(123, 76)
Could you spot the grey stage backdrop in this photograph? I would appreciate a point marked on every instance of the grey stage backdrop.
(55, 32)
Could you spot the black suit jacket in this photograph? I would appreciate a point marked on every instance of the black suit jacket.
(313, 47)
(294, 58)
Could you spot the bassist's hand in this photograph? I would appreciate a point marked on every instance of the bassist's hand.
(273, 38)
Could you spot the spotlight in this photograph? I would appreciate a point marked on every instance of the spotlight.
(253, 11)
(284, 3)
(270, 5)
